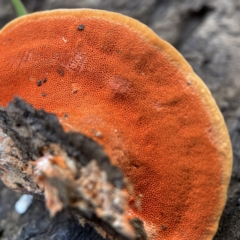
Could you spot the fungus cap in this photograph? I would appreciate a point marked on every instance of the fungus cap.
(113, 79)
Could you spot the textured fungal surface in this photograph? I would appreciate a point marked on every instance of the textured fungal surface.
(113, 79)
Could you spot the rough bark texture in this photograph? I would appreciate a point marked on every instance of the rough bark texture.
(207, 34)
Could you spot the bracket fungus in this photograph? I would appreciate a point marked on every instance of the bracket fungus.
(113, 79)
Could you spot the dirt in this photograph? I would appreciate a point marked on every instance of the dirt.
(207, 34)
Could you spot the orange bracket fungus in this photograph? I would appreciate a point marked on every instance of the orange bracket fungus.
(114, 80)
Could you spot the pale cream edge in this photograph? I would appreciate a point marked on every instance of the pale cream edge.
(220, 130)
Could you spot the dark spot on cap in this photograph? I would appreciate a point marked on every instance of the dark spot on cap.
(81, 27)
(44, 94)
(45, 80)
(65, 115)
(74, 91)
(61, 72)
(39, 83)
(164, 227)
